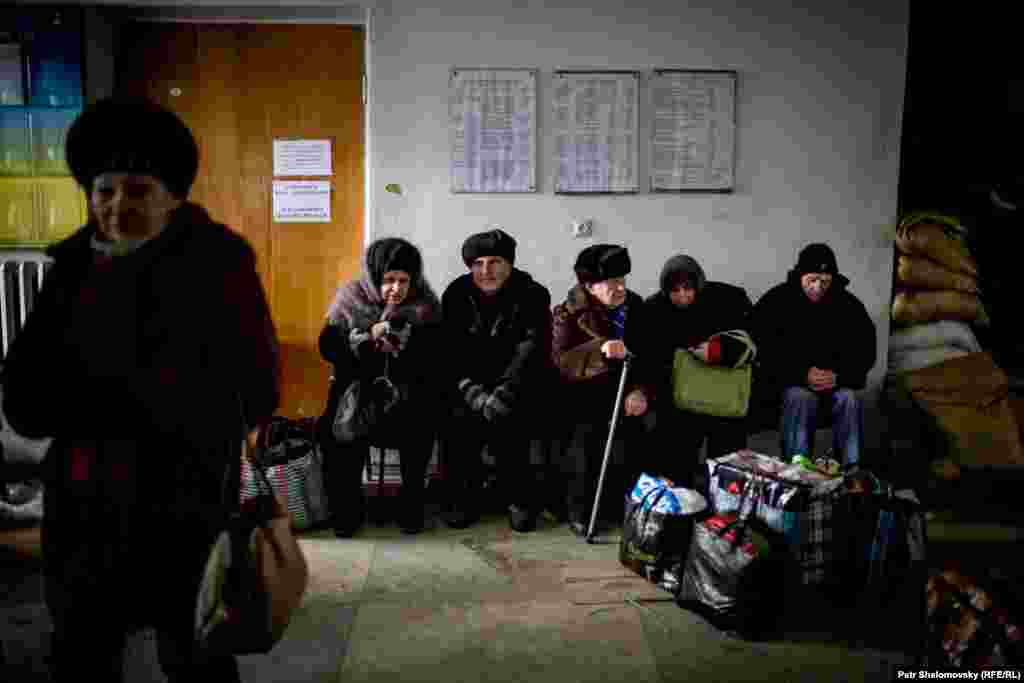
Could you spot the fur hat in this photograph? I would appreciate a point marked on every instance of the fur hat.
(681, 270)
(491, 243)
(132, 136)
(600, 262)
(816, 258)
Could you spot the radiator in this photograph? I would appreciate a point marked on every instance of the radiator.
(22, 277)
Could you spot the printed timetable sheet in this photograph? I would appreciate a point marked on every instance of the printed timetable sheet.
(493, 130)
(595, 128)
(693, 130)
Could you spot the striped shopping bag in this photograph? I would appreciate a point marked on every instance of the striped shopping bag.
(294, 467)
(794, 502)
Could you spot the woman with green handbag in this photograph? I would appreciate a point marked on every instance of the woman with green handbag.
(692, 317)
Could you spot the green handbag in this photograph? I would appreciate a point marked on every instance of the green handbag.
(711, 389)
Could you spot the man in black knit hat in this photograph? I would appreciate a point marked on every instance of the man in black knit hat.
(497, 323)
(816, 345)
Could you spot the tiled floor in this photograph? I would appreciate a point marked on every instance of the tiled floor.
(488, 604)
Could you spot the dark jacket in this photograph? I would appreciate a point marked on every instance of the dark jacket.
(582, 326)
(415, 370)
(717, 307)
(510, 352)
(177, 338)
(794, 334)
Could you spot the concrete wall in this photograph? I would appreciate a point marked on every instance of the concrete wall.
(819, 108)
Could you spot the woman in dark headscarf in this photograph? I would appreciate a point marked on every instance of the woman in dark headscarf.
(388, 320)
(150, 337)
(689, 311)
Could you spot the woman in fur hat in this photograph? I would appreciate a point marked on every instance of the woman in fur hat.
(689, 312)
(149, 344)
(599, 323)
(385, 322)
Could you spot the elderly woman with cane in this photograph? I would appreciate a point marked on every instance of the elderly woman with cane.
(599, 325)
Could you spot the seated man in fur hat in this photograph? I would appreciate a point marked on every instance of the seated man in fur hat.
(497, 322)
(595, 328)
(689, 313)
(816, 345)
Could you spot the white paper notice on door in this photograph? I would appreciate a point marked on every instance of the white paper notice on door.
(302, 201)
(302, 157)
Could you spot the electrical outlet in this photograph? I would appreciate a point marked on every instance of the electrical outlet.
(582, 228)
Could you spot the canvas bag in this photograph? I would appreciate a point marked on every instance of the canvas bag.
(792, 501)
(255, 574)
(711, 389)
(881, 540)
(293, 464)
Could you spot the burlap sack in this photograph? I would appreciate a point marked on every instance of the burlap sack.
(931, 241)
(916, 307)
(920, 273)
(968, 401)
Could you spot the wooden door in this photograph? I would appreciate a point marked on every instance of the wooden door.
(240, 87)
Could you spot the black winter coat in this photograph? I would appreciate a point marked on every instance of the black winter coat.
(142, 397)
(794, 334)
(512, 351)
(415, 371)
(718, 307)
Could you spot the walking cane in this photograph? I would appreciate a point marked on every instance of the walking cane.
(616, 409)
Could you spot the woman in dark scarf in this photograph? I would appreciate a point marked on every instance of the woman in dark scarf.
(388, 320)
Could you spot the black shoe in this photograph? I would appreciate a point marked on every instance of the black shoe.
(350, 518)
(347, 528)
(410, 527)
(461, 518)
(410, 511)
(411, 521)
(521, 518)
